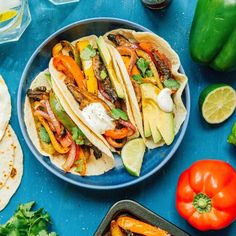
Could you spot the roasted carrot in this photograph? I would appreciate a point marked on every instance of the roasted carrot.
(139, 227)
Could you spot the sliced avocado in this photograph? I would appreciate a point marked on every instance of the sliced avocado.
(106, 57)
(151, 119)
(149, 91)
(147, 128)
(163, 121)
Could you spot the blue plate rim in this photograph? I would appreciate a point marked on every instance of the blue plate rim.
(64, 177)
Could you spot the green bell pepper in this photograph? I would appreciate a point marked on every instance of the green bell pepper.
(60, 113)
(213, 34)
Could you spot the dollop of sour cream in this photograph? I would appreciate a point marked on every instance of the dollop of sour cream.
(96, 116)
(164, 100)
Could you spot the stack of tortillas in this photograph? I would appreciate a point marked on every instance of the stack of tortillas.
(11, 156)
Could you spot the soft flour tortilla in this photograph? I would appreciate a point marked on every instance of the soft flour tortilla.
(94, 167)
(5, 107)
(7, 156)
(58, 79)
(162, 46)
(14, 180)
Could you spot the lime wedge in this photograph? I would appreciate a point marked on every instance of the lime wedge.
(7, 15)
(217, 103)
(132, 156)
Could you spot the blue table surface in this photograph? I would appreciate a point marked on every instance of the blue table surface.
(76, 211)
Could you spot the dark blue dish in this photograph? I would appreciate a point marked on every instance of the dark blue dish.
(118, 177)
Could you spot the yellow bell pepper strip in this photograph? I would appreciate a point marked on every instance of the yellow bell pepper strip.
(47, 147)
(63, 62)
(139, 227)
(92, 84)
(52, 137)
(115, 229)
(56, 50)
(152, 66)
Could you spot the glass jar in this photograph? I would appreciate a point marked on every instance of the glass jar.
(156, 4)
(15, 18)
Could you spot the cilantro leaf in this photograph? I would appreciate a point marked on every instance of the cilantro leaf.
(43, 134)
(232, 137)
(149, 73)
(138, 79)
(26, 222)
(142, 65)
(88, 53)
(171, 84)
(77, 136)
(119, 114)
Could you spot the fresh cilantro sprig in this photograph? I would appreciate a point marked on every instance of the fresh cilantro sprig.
(26, 222)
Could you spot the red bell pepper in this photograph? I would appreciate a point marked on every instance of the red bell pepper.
(206, 195)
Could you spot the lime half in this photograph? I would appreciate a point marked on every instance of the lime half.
(132, 156)
(217, 103)
(7, 15)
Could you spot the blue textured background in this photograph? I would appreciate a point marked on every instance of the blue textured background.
(76, 211)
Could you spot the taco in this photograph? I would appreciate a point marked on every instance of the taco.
(89, 79)
(56, 131)
(150, 73)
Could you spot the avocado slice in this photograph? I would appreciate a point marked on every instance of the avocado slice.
(162, 121)
(151, 120)
(147, 128)
(106, 57)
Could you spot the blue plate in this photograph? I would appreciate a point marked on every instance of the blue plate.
(117, 177)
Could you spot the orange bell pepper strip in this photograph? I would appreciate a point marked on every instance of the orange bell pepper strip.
(65, 62)
(126, 60)
(117, 133)
(55, 143)
(135, 71)
(115, 230)
(139, 227)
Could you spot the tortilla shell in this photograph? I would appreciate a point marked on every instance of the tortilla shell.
(180, 112)
(94, 167)
(14, 180)
(5, 108)
(6, 157)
